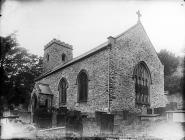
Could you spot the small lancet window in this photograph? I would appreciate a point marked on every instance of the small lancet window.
(47, 57)
(63, 57)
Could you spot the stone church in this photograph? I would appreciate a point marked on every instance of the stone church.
(122, 74)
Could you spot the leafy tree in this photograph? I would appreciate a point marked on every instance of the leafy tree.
(173, 80)
(183, 82)
(174, 84)
(21, 68)
(6, 44)
(169, 60)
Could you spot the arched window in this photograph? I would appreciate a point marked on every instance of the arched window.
(63, 91)
(82, 86)
(142, 79)
(63, 57)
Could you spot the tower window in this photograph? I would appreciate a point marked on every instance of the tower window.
(47, 57)
(63, 57)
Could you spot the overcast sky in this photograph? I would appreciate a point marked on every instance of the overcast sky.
(87, 23)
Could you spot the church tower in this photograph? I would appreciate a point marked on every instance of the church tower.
(56, 53)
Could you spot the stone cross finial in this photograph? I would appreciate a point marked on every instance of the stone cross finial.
(139, 15)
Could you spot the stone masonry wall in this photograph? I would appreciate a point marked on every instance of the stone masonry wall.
(128, 50)
(97, 69)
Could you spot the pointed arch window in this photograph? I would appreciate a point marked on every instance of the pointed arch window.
(142, 79)
(63, 85)
(82, 86)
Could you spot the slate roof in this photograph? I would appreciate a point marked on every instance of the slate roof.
(83, 56)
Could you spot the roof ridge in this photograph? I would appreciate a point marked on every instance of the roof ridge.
(128, 29)
(101, 46)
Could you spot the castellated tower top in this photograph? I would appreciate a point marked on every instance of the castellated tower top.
(56, 53)
(59, 43)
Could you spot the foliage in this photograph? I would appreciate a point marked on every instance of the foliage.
(21, 68)
(174, 84)
(173, 78)
(183, 82)
(170, 62)
(6, 44)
